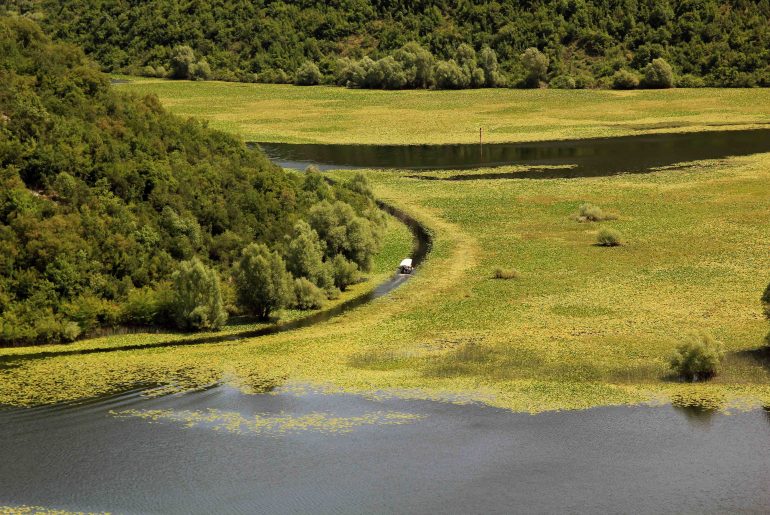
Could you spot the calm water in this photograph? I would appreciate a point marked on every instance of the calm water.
(441, 458)
(588, 157)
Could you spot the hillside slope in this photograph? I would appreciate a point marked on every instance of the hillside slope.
(726, 42)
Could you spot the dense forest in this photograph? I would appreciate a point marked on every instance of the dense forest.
(113, 211)
(360, 43)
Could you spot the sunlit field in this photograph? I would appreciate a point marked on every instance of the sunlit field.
(578, 326)
(320, 114)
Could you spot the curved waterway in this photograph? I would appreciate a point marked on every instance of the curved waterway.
(584, 158)
(220, 451)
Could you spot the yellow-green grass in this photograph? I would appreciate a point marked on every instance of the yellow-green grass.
(580, 326)
(321, 114)
(396, 244)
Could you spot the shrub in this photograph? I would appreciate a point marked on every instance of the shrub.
(592, 213)
(197, 300)
(261, 281)
(505, 273)
(308, 74)
(200, 70)
(658, 74)
(766, 302)
(307, 295)
(563, 82)
(624, 79)
(698, 359)
(147, 306)
(690, 81)
(608, 238)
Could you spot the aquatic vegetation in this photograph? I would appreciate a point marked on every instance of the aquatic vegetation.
(234, 422)
(39, 510)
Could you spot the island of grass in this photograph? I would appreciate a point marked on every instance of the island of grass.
(578, 325)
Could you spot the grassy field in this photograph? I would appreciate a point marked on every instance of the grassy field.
(285, 113)
(580, 326)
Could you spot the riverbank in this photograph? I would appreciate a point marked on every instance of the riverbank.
(322, 114)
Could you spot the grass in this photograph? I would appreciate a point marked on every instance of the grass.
(320, 114)
(581, 326)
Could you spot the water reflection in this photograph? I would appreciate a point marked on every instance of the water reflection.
(590, 157)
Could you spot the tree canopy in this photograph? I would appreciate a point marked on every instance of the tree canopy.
(724, 42)
(113, 211)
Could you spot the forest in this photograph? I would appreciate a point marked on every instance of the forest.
(113, 211)
(462, 44)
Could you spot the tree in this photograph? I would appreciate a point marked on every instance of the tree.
(345, 272)
(417, 63)
(488, 63)
(307, 295)
(182, 59)
(261, 281)
(308, 74)
(304, 255)
(700, 358)
(449, 75)
(658, 74)
(536, 65)
(197, 298)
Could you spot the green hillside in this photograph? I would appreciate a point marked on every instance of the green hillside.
(469, 43)
(105, 194)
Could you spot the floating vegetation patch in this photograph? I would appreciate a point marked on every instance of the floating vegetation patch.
(236, 423)
(37, 510)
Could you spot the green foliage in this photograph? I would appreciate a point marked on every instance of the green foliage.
(101, 194)
(658, 74)
(536, 66)
(698, 359)
(307, 295)
(308, 74)
(721, 41)
(563, 82)
(197, 298)
(304, 255)
(344, 272)
(625, 79)
(261, 280)
(608, 238)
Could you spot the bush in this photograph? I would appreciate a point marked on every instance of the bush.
(449, 75)
(698, 359)
(182, 59)
(197, 300)
(624, 79)
(307, 295)
(308, 74)
(200, 70)
(690, 81)
(563, 82)
(608, 238)
(261, 281)
(505, 273)
(592, 213)
(766, 302)
(147, 306)
(658, 74)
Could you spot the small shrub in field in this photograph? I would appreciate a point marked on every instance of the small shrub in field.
(608, 238)
(592, 213)
(505, 273)
(698, 359)
(766, 302)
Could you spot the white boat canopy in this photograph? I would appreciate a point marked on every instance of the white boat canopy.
(406, 263)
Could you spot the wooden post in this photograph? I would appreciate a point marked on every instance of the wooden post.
(480, 142)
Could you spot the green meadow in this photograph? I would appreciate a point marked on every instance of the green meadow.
(577, 325)
(323, 114)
